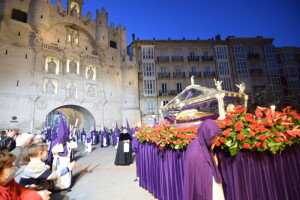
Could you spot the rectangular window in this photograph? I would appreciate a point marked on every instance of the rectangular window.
(163, 70)
(205, 54)
(164, 88)
(150, 107)
(223, 68)
(194, 70)
(149, 69)
(288, 57)
(207, 69)
(226, 84)
(149, 87)
(113, 44)
(192, 55)
(221, 52)
(238, 50)
(19, 15)
(148, 52)
(165, 103)
(179, 87)
(241, 67)
(291, 71)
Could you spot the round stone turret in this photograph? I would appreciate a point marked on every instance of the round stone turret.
(102, 30)
(39, 15)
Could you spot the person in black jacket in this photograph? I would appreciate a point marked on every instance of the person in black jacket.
(7, 142)
(124, 151)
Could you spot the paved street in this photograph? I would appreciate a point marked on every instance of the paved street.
(96, 177)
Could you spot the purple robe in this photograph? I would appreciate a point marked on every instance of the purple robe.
(88, 140)
(199, 164)
(95, 137)
(103, 135)
(116, 134)
(83, 136)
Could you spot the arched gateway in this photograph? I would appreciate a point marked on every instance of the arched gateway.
(71, 113)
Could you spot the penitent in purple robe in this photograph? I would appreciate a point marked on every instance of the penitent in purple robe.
(199, 165)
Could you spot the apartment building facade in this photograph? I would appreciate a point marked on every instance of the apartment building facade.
(166, 67)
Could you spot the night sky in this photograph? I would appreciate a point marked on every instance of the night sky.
(279, 19)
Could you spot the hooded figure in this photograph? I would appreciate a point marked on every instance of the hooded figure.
(124, 151)
(104, 138)
(202, 179)
(95, 136)
(61, 151)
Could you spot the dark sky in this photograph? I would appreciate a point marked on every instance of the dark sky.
(279, 19)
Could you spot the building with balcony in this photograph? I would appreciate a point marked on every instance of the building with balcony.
(232, 61)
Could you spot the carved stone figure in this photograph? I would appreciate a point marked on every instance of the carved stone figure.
(91, 91)
(74, 11)
(73, 67)
(72, 91)
(241, 87)
(50, 87)
(218, 84)
(51, 66)
(90, 73)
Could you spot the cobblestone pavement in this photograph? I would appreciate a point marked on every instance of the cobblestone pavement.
(96, 177)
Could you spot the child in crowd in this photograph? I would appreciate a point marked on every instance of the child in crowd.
(37, 173)
(9, 189)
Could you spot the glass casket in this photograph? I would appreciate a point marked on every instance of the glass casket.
(197, 103)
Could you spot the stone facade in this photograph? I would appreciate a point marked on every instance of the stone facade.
(55, 58)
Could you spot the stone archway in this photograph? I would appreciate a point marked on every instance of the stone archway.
(71, 113)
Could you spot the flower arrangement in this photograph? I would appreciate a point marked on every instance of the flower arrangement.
(266, 130)
(164, 136)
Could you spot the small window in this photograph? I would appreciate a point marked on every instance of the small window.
(19, 15)
(113, 44)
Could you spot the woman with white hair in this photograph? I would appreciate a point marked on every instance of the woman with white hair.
(22, 141)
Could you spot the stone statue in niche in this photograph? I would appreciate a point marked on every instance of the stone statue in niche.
(51, 66)
(71, 92)
(74, 11)
(90, 73)
(73, 67)
(91, 91)
(49, 87)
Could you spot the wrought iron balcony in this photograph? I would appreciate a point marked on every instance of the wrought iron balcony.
(195, 74)
(162, 59)
(253, 55)
(256, 71)
(177, 58)
(209, 74)
(207, 58)
(164, 75)
(178, 74)
(259, 87)
(173, 92)
(193, 58)
(164, 92)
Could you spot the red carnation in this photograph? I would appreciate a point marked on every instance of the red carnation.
(241, 136)
(246, 145)
(277, 139)
(263, 144)
(257, 144)
(252, 134)
(262, 137)
(227, 133)
(239, 125)
(217, 143)
(222, 139)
